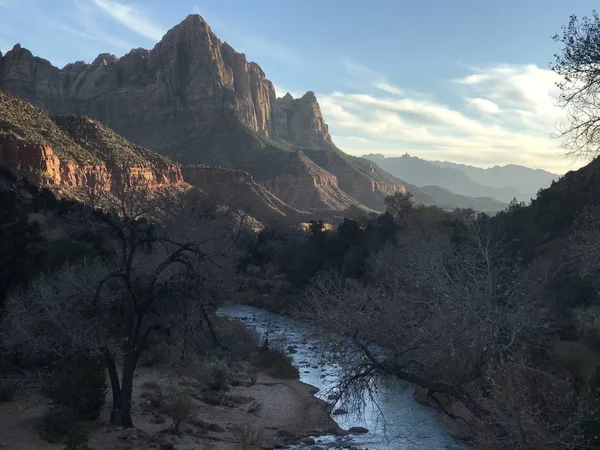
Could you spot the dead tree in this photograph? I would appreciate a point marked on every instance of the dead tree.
(578, 65)
(448, 312)
(170, 255)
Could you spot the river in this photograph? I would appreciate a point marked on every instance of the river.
(394, 420)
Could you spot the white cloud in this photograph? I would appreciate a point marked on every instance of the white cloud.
(483, 105)
(519, 115)
(363, 76)
(132, 19)
(525, 87)
(389, 88)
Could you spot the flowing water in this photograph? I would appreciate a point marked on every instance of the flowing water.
(394, 420)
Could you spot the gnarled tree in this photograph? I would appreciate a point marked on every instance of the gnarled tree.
(446, 309)
(169, 253)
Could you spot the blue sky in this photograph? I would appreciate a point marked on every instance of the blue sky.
(464, 80)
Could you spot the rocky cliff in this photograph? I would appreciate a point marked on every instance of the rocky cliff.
(184, 98)
(189, 80)
(70, 152)
(237, 189)
(309, 187)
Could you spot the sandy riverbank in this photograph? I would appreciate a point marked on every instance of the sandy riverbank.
(280, 411)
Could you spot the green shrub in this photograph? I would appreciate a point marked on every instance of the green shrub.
(154, 398)
(216, 374)
(179, 407)
(236, 338)
(80, 385)
(275, 362)
(77, 438)
(57, 422)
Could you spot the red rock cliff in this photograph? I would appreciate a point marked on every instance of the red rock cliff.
(42, 164)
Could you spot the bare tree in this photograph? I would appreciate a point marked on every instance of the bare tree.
(449, 312)
(170, 252)
(578, 64)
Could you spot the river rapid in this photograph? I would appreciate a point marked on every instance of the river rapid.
(394, 419)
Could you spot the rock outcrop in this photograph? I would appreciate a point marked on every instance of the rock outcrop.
(237, 189)
(71, 152)
(309, 188)
(300, 122)
(175, 97)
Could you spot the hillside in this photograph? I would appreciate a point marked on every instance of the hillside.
(524, 179)
(552, 214)
(70, 152)
(449, 200)
(501, 183)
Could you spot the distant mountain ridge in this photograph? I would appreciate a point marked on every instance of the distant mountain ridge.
(502, 183)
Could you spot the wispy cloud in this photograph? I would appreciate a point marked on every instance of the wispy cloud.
(133, 19)
(90, 32)
(483, 105)
(386, 87)
(365, 76)
(506, 116)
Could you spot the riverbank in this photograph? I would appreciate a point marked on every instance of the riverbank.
(234, 395)
(392, 417)
(273, 411)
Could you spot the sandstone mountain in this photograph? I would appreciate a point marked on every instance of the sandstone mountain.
(195, 99)
(70, 152)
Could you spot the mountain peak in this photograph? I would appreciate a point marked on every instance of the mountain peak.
(193, 20)
(192, 31)
(190, 23)
(104, 59)
(309, 96)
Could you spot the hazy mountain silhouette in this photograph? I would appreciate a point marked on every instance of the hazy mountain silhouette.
(502, 183)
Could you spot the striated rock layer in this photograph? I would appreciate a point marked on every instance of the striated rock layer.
(237, 189)
(190, 87)
(76, 151)
(71, 152)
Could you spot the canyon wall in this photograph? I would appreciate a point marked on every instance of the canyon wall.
(189, 80)
(198, 101)
(72, 152)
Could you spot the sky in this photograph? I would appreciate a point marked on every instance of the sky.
(466, 81)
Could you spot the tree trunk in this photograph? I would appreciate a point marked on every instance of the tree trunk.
(115, 387)
(129, 364)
